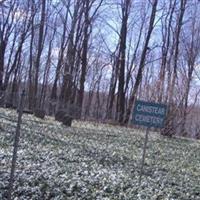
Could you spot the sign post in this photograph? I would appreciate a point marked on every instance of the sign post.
(16, 144)
(150, 115)
(143, 155)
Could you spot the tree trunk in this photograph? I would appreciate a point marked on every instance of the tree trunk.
(84, 56)
(122, 50)
(66, 87)
(2, 53)
(39, 51)
(165, 50)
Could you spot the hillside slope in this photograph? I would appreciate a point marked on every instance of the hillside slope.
(91, 161)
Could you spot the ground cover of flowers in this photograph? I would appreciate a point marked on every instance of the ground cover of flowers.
(92, 161)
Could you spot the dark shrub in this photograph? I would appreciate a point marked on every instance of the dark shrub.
(1, 102)
(8, 105)
(28, 112)
(67, 120)
(59, 115)
(40, 113)
(63, 117)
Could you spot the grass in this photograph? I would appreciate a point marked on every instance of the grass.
(95, 161)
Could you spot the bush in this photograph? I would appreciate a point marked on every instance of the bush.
(63, 117)
(67, 120)
(59, 115)
(40, 113)
(8, 105)
(28, 112)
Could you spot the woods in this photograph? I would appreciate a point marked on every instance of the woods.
(94, 58)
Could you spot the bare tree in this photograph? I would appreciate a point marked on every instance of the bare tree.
(125, 6)
(39, 50)
(191, 42)
(142, 62)
(171, 115)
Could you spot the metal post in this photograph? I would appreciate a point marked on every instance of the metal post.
(143, 155)
(16, 144)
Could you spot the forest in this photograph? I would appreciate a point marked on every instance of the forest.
(94, 58)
